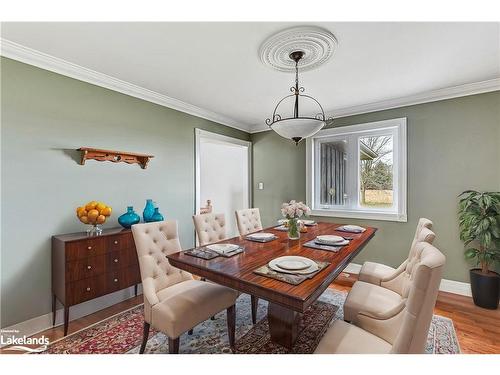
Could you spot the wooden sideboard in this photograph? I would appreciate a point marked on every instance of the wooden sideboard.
(84, 268)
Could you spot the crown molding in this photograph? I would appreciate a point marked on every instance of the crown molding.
(42, 60)
(425, 97)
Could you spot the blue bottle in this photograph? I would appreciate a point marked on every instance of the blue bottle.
(129, 218)
(157, 216)
(149, 210)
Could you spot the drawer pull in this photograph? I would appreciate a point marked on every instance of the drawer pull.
(89, 248)
(89, 267)
(115, 280)
(116, 242)
(88, 289)
(115, 260)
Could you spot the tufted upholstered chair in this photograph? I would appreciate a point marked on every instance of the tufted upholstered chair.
(376, 273)
(248, 221)
(394, 330)
(173, 301)
(390, 293)
(210, 228)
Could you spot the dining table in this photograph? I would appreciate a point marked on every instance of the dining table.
(286, 302)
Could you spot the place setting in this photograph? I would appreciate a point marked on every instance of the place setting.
(328, 242)
(261, 237)
(291, 269)
(208, 252)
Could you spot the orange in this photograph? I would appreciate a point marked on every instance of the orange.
(101, 219)
(91, 205)
(92, 215)
(100, 206)
(82, 212)
(84, 219)
(106, 211)
(79, 209)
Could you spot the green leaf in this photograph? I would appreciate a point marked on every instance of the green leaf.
(471, 253)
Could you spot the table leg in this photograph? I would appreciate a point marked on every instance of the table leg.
(283, 325)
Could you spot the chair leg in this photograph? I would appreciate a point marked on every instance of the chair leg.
(255, 304)
(145, 336)
(231, 325)
(190, 332)
(173, 345)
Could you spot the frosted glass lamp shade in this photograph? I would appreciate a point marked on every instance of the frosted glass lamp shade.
(297, 128)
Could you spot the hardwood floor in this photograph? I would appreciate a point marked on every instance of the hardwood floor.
(478, 329)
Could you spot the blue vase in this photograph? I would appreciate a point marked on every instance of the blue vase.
(129, 218)
(156, 215)
(149, 210)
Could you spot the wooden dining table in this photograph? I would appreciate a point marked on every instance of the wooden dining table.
(286, 301)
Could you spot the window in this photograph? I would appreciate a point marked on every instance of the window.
(358, 171)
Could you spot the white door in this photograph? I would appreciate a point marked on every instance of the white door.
(223, 175)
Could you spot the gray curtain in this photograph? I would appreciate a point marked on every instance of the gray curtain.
(333, 167)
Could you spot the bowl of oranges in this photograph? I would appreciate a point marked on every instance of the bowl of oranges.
(95, 214)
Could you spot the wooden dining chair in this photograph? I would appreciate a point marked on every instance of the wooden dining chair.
(174, 302)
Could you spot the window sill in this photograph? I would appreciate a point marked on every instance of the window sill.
(366, 215)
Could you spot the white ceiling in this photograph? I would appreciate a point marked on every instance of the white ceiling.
(216, 66)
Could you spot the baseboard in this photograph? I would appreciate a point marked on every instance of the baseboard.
(450, 286)
(41, 323)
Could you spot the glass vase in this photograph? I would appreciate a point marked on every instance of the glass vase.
(293, 229)
(129, 218)
(149, 210)
(157, 216)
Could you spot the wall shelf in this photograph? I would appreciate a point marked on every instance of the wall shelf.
(114, 156)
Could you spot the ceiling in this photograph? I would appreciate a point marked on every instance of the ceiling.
(216, 66)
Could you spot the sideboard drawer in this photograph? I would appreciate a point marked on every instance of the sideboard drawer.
(116, 260)
(85, 268)
(118, 242)
(84, 249)
(86, 289)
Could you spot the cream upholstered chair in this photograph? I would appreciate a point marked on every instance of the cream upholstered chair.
(248, 221)
(376, 273)
(391, 293)
(401, 330)
(173, 301)
(210, 228)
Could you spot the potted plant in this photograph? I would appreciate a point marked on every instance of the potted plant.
(479, 219)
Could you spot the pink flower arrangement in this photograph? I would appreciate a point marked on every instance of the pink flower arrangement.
(294, 210)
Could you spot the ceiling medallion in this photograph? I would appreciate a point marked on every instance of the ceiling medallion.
(317, 44)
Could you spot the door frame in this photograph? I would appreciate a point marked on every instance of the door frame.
(199, 134)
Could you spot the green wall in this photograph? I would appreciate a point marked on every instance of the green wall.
(45, 117)
(453, 145)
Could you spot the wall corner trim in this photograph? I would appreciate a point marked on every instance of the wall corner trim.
(54, 64)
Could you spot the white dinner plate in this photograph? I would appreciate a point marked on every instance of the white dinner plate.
(282, 221)
(293, 261)
(223, 248)
(261, 236)
(352, 228)
(329, 239)
(308, 222)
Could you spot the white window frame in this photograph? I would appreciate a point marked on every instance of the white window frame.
(395, 127)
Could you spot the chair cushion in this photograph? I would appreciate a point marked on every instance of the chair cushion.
(186, 304)
(345, 338)
(373, 273)
(369, 298)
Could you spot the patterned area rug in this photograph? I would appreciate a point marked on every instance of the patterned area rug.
(122, 333)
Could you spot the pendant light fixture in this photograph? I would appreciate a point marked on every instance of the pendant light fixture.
(297, 127)
(298, 116)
